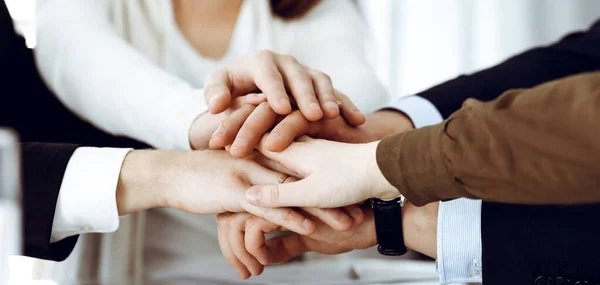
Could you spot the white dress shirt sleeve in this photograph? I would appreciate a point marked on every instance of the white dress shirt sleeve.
(104, 79)
(87, 198)
(459, 221)
(421, 112)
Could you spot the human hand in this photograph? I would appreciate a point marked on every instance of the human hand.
(208, 182)
(274, 75)
(246, 233)
(243, 128)
(377, 126)
(243, 136)
(207, 123)
(333, 174)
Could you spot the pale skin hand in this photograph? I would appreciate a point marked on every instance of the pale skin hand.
(333, 175)
(243, 128)
(203, 127)
(247, 234)
(208, 182)
(302, 160)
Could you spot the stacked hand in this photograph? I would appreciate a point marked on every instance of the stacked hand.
(211, 182)
(246, 233)
(249, 98)
(270, 77)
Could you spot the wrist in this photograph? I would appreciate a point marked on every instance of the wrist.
(140, 182)
(374, 179)
(203, 127)
(419, 226)
(388, 122)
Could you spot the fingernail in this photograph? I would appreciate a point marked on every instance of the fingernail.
(213, 100)
(307, 225)
(285, 102)
(239, 143)
(253, 195)
(338, 102)
(314, 106)
(274, 136)
(332, 105)
(261, 95)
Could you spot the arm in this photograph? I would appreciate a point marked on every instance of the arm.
(43, 168)
(527, 146)
(98, 75)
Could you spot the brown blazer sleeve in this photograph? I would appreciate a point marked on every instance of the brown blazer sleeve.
(533, 146)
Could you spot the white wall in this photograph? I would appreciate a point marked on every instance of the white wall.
(424, 42)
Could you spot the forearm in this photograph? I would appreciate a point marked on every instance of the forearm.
(124, 92)
(528, 146)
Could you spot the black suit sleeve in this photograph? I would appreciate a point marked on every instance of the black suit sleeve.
(576, 53)
(522, 244)
(43, 169)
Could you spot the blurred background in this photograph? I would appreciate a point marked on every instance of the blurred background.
(419, 43)
(416, 44)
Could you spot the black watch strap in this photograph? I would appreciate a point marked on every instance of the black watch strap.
(388, 226)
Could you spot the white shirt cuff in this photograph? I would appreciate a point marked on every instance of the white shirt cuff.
(459, 241)
(422, 112)
(87, 199)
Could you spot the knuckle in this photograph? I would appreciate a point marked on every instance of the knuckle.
(320, 75)
(251, 223)
(288, 59)
(230, 220)
(265, 54)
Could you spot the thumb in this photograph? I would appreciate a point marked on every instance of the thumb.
(303, 193)
(296, 157)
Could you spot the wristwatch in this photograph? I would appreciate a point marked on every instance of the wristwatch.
(388, 225)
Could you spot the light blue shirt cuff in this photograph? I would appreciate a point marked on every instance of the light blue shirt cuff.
(422, 112)
(459, 242)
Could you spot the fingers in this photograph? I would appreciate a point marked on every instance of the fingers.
(227, 131)
(349, 111)
(217, 91)
(226, 247)
(269, 80)
(285, 217)
(292, 126)
(357, 214)
(255, 238)
(294, 157)
(236, 224)
(296, 194)
(325, 94)
(286, 247)
(262, 175)
(336, 218)
(255, 126)
(300, 83)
